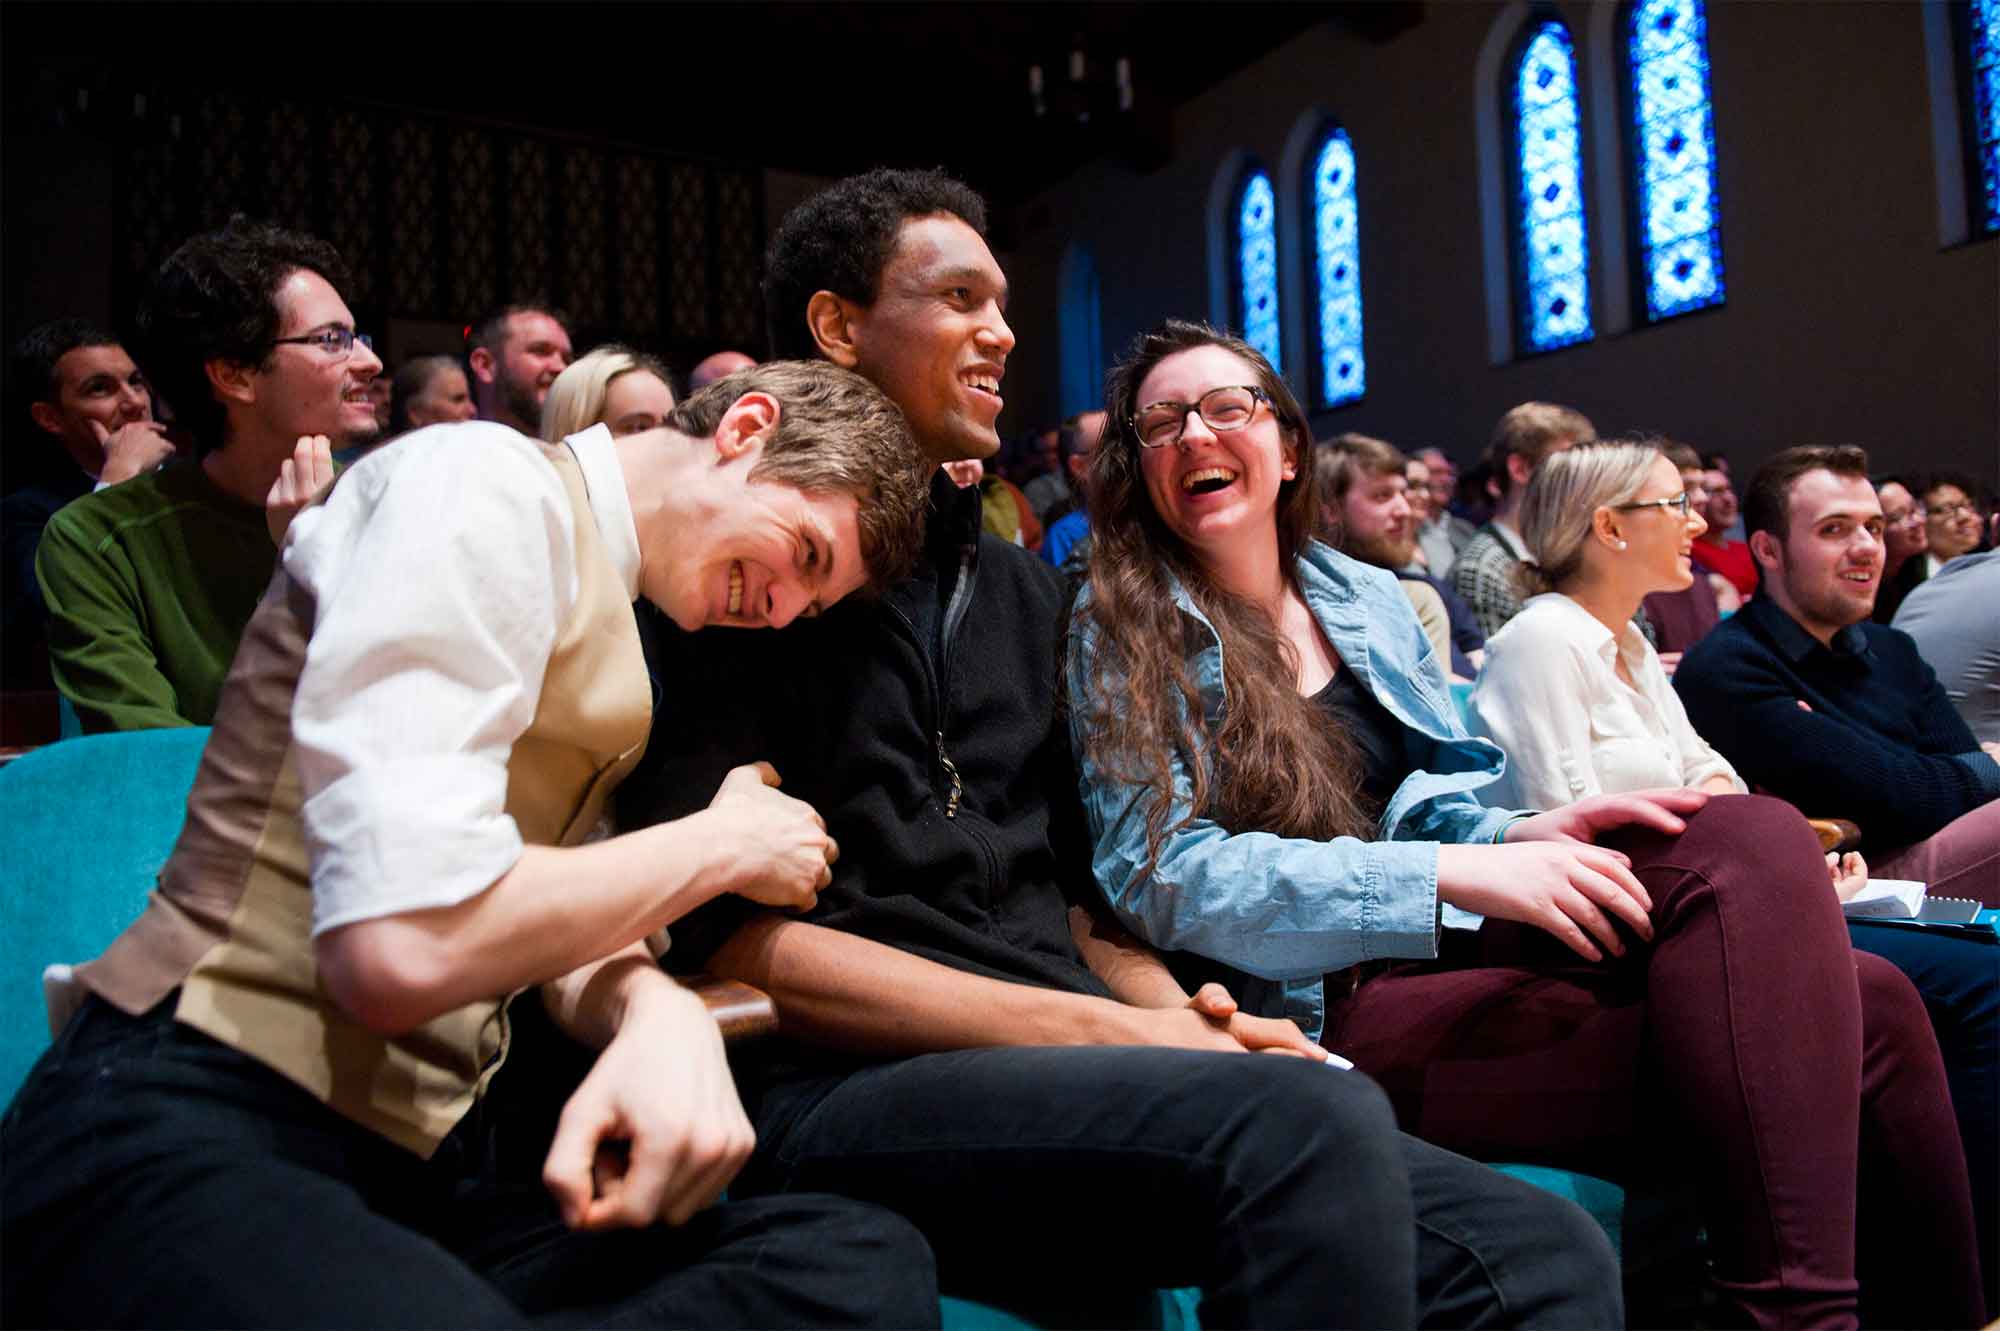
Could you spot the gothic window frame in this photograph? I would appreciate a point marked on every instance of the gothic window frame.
(1528, 275)
(1319, 208)
(1266, 332)
(1653, 301)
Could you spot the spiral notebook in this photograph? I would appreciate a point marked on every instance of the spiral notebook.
(1902, 904)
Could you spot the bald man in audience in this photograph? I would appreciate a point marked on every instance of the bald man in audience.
(719, 366)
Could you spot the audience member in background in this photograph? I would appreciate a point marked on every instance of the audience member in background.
(1442, 533)
(514, 354)
(84, 393)
(1053, 490)
(1719, 461)
(1365, 513)
(919, 1001)
(430, 390)
(1814, 703)
(1717, 551)
(150, 583)
(1952, 521)
(1077, 442)
(1954, 619)
(1486, 573)
(1682, 616)
(1279, 788)
(625, 389)
(1474, 497)
(1903, 539)
(718, 366)
(378, 397)
(324, 1094)
(1003, 509)
(1578, 701)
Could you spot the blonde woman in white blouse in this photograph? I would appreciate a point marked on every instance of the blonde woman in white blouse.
(1573, 692)
(1576, 697)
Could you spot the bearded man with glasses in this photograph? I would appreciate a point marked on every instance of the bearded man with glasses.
(150, 583)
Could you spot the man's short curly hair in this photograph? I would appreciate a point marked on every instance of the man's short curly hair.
(216, 298)
(840, 239)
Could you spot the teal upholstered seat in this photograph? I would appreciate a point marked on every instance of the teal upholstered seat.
(85, 825)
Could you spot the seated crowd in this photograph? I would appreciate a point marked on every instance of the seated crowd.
(1042, 798)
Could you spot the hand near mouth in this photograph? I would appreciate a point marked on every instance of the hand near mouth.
(302, 479)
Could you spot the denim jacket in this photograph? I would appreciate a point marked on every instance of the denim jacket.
(1284, 912)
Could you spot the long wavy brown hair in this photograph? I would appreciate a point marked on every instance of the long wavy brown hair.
(1274, 763)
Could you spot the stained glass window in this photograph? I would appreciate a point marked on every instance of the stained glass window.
(1337, 250)
(1673, 136)
(1555, 285)
(1257, 258)
(1984, 51)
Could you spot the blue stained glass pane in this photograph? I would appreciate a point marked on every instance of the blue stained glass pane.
(1680, 233)
(1257, 251)
(1986, 106)
(1549, 157)
(1337, 250)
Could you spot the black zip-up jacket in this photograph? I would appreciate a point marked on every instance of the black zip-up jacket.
(926, 729)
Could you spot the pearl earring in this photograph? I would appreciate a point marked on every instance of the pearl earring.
(1621, 545)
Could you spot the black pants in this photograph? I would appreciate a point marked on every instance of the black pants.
(153, 1177)
(1278, 1186)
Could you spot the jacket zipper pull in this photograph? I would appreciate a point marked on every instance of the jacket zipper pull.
(957, 787)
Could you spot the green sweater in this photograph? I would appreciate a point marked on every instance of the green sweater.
(149, 585)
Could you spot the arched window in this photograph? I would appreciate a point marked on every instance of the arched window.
(1337, 263)
(1553, 268)
(1982, 48)
(1678, 233)
(1257, 264)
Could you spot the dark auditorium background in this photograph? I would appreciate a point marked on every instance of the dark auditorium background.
(629, 161)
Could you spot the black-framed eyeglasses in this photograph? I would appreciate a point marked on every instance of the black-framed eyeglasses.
(1160, 424)
(1680, 503)
(334, 341)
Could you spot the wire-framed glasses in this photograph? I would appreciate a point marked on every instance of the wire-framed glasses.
(334, 340)
(1680, 503)
(1159, 424)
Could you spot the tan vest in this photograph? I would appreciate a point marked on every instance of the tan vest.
(231, 919)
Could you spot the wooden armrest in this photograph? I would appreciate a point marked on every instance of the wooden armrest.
(1835, 834)
(743, 1012)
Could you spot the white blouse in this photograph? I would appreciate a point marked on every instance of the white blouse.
(1550, 696)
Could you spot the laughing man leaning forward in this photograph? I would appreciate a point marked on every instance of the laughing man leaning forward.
(296, 1093)
(1055, 1127)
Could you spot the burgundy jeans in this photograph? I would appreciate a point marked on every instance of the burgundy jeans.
(1748, 1047)
(1960, 859)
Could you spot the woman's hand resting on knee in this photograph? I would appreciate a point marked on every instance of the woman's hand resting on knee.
(1548, 873)
(1568, 888)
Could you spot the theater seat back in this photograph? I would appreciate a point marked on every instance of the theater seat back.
(85, 825)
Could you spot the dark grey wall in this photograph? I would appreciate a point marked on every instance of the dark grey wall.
(1845, 320)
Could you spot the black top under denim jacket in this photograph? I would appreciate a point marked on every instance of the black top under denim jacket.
(926, 729)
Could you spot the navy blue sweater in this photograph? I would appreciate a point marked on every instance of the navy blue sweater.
(1881, 745)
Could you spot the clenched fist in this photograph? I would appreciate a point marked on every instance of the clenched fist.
(778, 848)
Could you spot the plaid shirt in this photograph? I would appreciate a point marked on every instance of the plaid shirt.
(1484, 576)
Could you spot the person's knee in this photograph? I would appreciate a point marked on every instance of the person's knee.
(878, 1263)
(1891, 1008)
(1755, 829)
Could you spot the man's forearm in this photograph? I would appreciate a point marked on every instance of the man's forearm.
(1134, 972)
(837, 989)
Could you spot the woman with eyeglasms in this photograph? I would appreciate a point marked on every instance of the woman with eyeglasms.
(1282, 799)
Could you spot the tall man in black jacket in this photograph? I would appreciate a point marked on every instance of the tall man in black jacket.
(1053, 1125)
